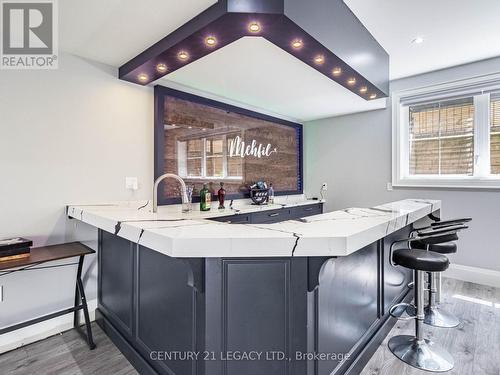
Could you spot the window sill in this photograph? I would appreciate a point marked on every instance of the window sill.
(459, 183)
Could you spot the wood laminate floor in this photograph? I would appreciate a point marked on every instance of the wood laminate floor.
(475, 344)
(67, 354)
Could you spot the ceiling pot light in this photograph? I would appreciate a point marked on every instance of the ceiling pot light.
(254, 27)
(183, 55)
(161, 68)
(363, 89)
(142, 77)
(351, 81)
(297, 43)
(373, 96)
(211, 41)
(418, 40)
(320, 59)
(337, 71)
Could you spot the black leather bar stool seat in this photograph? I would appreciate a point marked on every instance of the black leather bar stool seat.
(422, 260)
(441, 248)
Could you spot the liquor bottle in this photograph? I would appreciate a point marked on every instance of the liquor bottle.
(221, 194)
(205, 199)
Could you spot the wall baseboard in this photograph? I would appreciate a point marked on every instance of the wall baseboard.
(476, 275)
(13, 340)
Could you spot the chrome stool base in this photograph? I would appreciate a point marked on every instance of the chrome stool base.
(423, 354)
(436, 317)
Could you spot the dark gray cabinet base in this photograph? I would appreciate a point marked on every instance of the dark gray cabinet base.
(247, 316)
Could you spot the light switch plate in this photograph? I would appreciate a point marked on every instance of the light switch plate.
(131, 183)
(389, 186)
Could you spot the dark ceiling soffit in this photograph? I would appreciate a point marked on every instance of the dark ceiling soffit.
(229, 20)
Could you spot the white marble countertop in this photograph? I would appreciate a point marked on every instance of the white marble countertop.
(182, 235)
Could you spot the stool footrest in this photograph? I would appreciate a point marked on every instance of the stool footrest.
(399, 309)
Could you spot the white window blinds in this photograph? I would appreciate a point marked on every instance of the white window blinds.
(441, 138)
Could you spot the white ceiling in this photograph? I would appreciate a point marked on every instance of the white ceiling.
(454, 31)
(257, 73)
(115, 31)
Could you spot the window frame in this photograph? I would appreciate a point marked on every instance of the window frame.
(479, 88)
(204, 157)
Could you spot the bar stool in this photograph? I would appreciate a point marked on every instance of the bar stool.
(434, 315)
(415, 350)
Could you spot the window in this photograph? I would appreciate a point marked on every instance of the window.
(442, 138)
(448, 135)
(208, 158)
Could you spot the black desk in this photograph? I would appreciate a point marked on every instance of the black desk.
(47, 254)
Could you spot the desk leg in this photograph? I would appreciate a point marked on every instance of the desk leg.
(81, 300)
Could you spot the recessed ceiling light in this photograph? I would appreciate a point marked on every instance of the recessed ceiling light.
(183, 55)
(320, 59)
(373, 96)
(351, 81)
(162, 68)
(337, 71)
(211, 41)
(254, 27)
(297, 43)
(143, 77)
(418, 40)
(363, 89)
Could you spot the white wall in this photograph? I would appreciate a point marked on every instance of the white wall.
(66, 136)
(353, 155)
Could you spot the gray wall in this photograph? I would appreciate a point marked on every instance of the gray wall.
(353, 155)
(67, 136)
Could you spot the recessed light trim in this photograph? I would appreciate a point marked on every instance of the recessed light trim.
(254, 27)
(210, 41)
(351, 81)
(417, 40)
(297, 43)
(337, 71)
(183, 55)
(161, 68)
(143, 77)
(319, 59)
(363, 89)
(373, 96)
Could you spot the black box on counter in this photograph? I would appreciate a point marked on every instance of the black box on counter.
(14, 248)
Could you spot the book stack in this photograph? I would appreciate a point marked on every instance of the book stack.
(14, 248)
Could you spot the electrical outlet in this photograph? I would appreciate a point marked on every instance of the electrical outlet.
(131, 183)
(389, 186)
(324, 186)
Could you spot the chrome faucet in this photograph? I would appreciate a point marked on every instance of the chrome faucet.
(184, 196)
